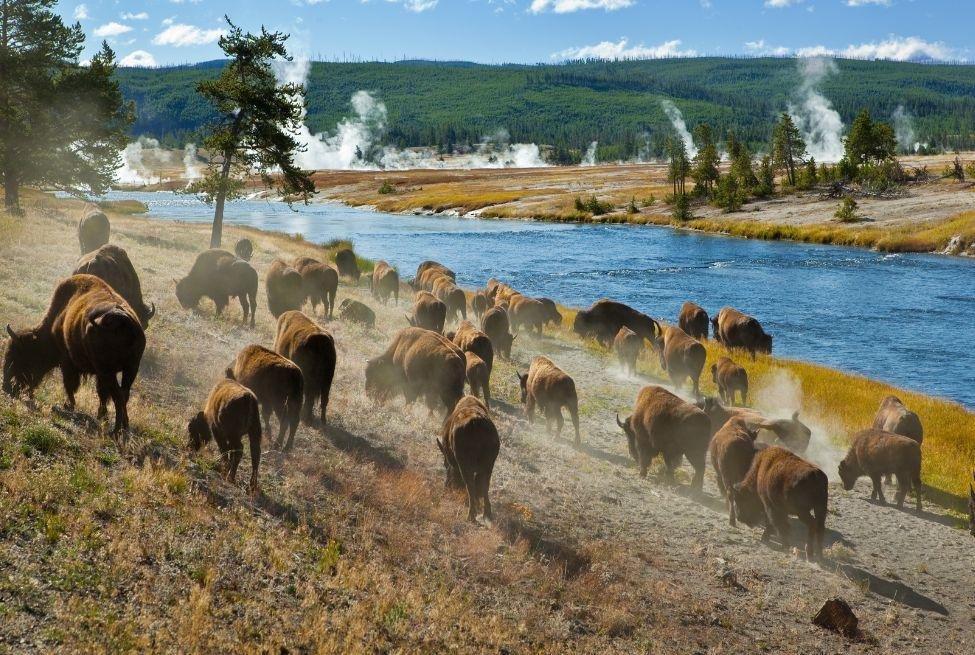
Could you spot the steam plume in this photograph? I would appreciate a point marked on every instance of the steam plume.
(820, 124)
(677, 120)
(904, 130)
(589, 159)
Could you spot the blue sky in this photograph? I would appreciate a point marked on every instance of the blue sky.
(162, 32)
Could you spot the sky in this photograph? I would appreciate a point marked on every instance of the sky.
(166, 32)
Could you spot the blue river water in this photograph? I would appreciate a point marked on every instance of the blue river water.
(905, 319)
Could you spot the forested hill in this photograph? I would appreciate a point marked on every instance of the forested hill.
(570, 105)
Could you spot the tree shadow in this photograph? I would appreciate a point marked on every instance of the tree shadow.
(358, 446)
(895, 591)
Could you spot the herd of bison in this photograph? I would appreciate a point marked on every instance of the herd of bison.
(96, 326)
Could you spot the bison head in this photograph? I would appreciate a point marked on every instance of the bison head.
(199, 431)
(379, 378)
(765, 344)
(848, 474)
(454, 480)
(714, 327)
(580, 325)
(748, 508)
(29, 358)
(505, 344)
(627, 426)
(799, 434)
(523, 382)
(186, 294)
(244, 249)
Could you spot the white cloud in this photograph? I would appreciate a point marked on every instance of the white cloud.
(180, 34)
(622, 50)
(112, 29)
(569, 6)
(778, 4)
(418, 5)
(138, 58)
(142, 15)
(760, 47)
(81, 12)
(863, 3)
(896, 48)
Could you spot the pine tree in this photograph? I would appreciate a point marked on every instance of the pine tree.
(705, 165)
(741, 163)
(788, 147)
(257, 120)
(869, 141)
(62, 125)
(679, 166)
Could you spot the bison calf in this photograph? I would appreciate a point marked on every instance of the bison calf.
(495, 324)
(549, 388)
(312, 348)
(780, 484)
(470, 444)
(731, 380)
(384, 282)
(278, 384)
(472, 341)
(231, 411)
(320, 283)
(874, 453)
(627, 345)
(348, 265)
(354, 311)
(732, 449)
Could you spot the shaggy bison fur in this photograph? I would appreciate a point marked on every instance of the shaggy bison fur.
(244, 249)
(495, 324)
(285, 288)
(94, 231)
(354, 311)
(731, 380)
(312, 348)
(88, 329)
(480, 304)
(605, 318)
(471, 340)
(429, 312)
(470, 444)
(112, 264)
(732, 449)
(875, 453)
(384, 282)
(663, 424)
(693, 320)
(320, 282)
(418, 364)
(780, 484)
(627, 344)
(549, 388)
(348, 265)
(219, 276)
(452, 296)
(231, 411)
(893, 416)
(734, 329)
(278, 384)
(681, 356)
(526, 312)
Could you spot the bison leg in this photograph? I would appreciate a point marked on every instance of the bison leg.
(220, 303)
(781, 522)
(878, 489)
(292, 420)
(266, 411)
(253, 297)
(903, 486)
(244, 306)
(574, 416)
(483, 485)
(308, 405)
(697, 386)
(559, 421)
(71, 378)
(232, 463)
(108, 387)
(530, 408)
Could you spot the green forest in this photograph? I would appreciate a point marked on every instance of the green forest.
(567, 106)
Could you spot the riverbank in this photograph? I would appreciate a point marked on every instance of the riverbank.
(355, 545)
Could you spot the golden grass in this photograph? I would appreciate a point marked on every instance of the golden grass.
(124, 206)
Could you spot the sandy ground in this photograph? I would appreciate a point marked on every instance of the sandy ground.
(909, 578)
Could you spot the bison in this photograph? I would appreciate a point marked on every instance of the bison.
(526, 312)
(681, 356)
(663, 424)
(874, 453)
(418, 363)
(348, 265)
(219, 276)
(893, 416)
(320, 283)
(470, 443)
(734, 329)
(551, 313)
(478, 377)
(495, 324)
(779, 484)
(428, 264)
(429, 312)
(788, 432)
(549, 388)
(312, 348)
(452, 296)
(384, 282)
(354, 311)
(732, 449)
(93, 231)
(112, 264)
(244, 249)
(88, 329)
(627, 344)
(479, 304)
(731, 380)
(285, 288)
(693, 320)
(605, 318)
(471, 340)
(231, 411)
(278, 384)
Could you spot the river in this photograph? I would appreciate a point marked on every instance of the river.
(904, 319)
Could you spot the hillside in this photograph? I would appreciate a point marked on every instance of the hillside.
(353, 544)
(570, 105)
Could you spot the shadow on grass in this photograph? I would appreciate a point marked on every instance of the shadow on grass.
(895, 591)
(361, 447)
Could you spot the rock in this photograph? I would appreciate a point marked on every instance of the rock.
(836, 615)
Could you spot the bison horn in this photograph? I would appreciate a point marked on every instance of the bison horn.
(10, 331)
(619, 422)
(152, 310)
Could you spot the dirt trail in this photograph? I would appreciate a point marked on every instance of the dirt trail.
(909, 578)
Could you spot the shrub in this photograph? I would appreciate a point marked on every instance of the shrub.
(39, 439)
(682, 209)
(847, 211)
(650, 200)
(386, 188)
(632, 208)
(593, 206)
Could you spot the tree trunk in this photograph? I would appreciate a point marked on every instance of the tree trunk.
(11, 192)
(216, 233)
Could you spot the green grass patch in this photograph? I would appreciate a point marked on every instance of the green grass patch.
(129, 207)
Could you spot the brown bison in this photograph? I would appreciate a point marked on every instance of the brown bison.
(428, 264)
(426, 278)
(88, 329)
(320, 282)
(285, 288)
(663, 424)
(112, 264)
(384, 282)
(452, 296)
(893, 416)
(693, 320)
(736, 330)
(627, 344)
(779, 484)
(354, 311)
(471, 340)
(278, 384)
(551, 314)
(244, 249)
(470, 444)
(495, 324)
(732, 449)
(219, 276)
(348, 265)
(231, 411)
(549, 388)
(874, 453)
(312, 348)
(605, 318)
(526, 312)
(478, 377)
(681, 356)
(93, 231)
(429, 312)
(790, 433)
(418, 364)
(731, 380)
(479, 304)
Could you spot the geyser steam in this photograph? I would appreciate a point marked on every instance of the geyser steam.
(676, 119)
(820, 124)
